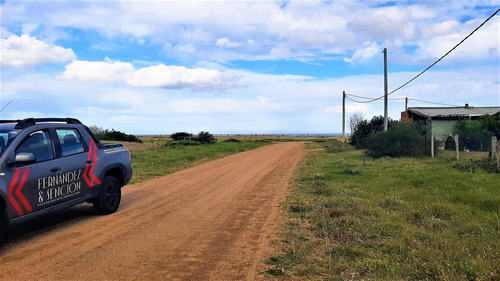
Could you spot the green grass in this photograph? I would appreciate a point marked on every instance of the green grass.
(353, 217)
(164, 159)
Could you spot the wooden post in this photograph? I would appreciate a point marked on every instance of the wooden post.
(493, 147)
(432, 146)
(386, 103)
(343, 114)
(456, 147)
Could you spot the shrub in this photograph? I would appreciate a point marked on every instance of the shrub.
(181, 136)
(182, 143)
(366, 128)
(401, 139)
(116, 136)
(490, 165)
(491, 123)
(205, 137)
(475, 134)
(232, 140)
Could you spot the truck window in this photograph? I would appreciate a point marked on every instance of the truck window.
(71, 142)
(39, 144)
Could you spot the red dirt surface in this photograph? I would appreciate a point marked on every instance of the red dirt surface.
(210, 222)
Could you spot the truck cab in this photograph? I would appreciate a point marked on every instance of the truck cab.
(48, 164)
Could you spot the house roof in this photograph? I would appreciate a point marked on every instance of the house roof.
(464, 112)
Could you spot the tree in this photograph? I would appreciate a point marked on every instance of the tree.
(491, 123)
(206, 137)
(364, 129)
(116, 136)
(471, 128)
(473, 135)
(181, 136)
(95, 129)
(354, 119)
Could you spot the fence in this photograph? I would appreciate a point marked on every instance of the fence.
(460, 145)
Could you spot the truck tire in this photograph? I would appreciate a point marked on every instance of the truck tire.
(109, 196)
(3, 222)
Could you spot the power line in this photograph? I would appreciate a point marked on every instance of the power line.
(409, 81)
(409, 99)
(424, 101)
(5, 106)
(422, 72)
(370, 99)
(357, 101)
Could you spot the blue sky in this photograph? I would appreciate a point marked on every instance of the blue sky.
(158, 67)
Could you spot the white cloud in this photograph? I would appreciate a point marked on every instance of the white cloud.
(163, 76)
(226, 43)
(97, 70)
(266, 103)
(365, 53)
(4, 33)
(298, 30)
(484, 43)
(440, 28)
(156, 76)
(384, 23)
(24, 50)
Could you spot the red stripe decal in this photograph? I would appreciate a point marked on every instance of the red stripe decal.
(11, 197)
(94, 178)
(88, 173)
(85, 177)
(19, 193)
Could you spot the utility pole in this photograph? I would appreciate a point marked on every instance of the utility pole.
(385, 90)
(406, 104)
(343, 114)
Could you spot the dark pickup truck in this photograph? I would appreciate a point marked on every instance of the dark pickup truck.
(48, 164)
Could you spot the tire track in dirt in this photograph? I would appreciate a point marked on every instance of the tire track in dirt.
(210, 222)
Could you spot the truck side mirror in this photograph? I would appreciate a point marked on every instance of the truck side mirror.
(23, 158)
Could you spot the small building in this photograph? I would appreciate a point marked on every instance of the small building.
(442, 120)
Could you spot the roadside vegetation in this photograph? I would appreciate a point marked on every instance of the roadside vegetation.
(113, 135)
(161, 157)
(353, 217)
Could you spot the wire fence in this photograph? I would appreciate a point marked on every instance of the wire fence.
(461, 147)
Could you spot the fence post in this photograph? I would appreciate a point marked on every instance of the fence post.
(457, 148)
(432, 146)
(493, 147)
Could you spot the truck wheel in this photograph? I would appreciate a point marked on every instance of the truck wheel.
(3, 222)
(109, 196)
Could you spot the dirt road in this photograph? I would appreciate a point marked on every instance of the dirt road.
(210, 222)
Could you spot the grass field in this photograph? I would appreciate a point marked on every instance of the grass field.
(159, 155)
(155, 159)
(352, 217)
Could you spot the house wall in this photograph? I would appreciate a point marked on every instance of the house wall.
(442, 127)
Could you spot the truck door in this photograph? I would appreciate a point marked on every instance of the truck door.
(30, 185)
(73, 160)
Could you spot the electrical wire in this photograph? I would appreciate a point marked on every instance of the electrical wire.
(409, 99)
(422, 72)
(424, 101)
(466, 37)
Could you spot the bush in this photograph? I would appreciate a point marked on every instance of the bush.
(475, 135)
(491, 123)
(205, 137)
(401, 139)
(364, 129)
(182, 143)
(232, 140)
(116, 136)
(488, 164)
(181, 136)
